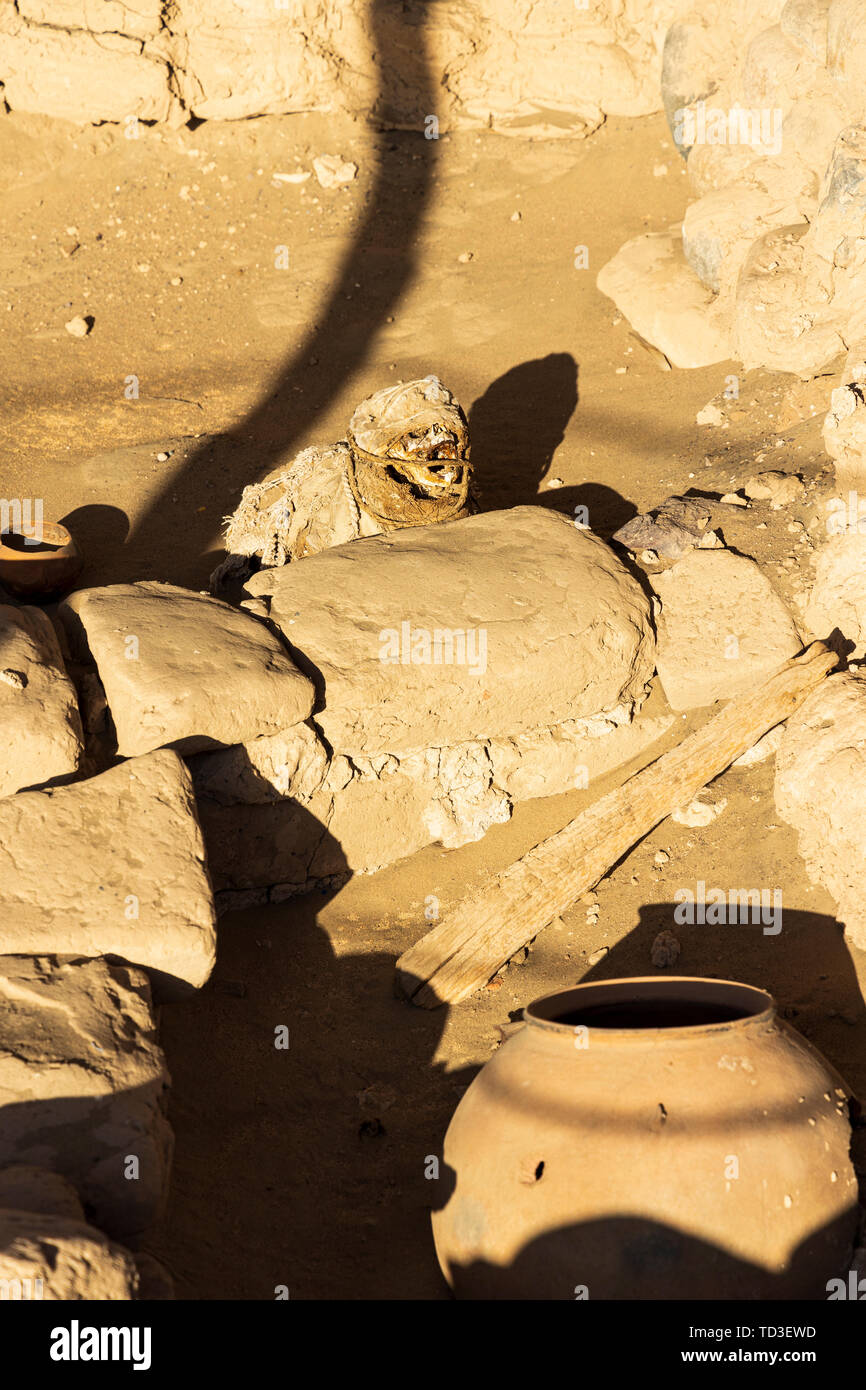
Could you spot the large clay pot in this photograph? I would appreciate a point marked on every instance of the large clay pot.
(650, 1139)
(41, 563)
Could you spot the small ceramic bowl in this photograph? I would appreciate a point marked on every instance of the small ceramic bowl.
(39, 568)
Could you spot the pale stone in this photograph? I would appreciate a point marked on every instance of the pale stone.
(781, 318)
(773, 69)
(531, 68)
(665, 302)
(562, 758)
(710, 414)
(42, 734)
(699, 814)
(723, 628)
(777, 488)
(846, 43)
(844, 429)
(805, 23)
(112, 866)
(800, 297)
(334, 172)
(234, 60)
(139, 18)
(498, 623)
(811, 128)
(57, 1259)
(720, 228)
(79, 76)
(765, 748)
(184, 669)
(83, 1084)
(838, 596)
(841, 214)
(820, 774)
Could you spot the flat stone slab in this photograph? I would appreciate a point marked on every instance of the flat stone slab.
(484, 627)
(42, 736)
(185, 670)
(58, 1259)
(83, 1085)
(114, 866)
(723, 628)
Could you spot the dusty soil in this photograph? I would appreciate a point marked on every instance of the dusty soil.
(305, 1167)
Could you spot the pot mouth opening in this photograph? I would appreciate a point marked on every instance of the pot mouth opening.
(36, 541)
(681, 1004)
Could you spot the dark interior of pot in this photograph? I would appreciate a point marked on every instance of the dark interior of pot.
(682, 1002)
(50, 540)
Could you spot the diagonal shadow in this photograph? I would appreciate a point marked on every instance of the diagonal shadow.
(381, 260)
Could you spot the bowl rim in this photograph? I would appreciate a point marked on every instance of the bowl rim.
(51, 530)
(758, 1006)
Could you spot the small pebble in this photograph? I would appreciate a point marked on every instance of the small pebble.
(465, 257)
(661, 857)
(699, 813)
(79, 327)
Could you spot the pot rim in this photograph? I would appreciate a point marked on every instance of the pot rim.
(758, 1006)
(52, 531)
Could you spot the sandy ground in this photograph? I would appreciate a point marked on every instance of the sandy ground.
(237, 318)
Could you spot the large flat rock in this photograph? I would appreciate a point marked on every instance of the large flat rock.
(113, 866)
(83, 1085)
(479, 628)
(183, 669)
(42, 736)
(723, 628)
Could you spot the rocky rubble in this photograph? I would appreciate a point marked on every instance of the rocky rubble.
(767, 266)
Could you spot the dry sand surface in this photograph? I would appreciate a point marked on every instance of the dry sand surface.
(250, 314)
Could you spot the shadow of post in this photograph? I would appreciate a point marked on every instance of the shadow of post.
(374, 273)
